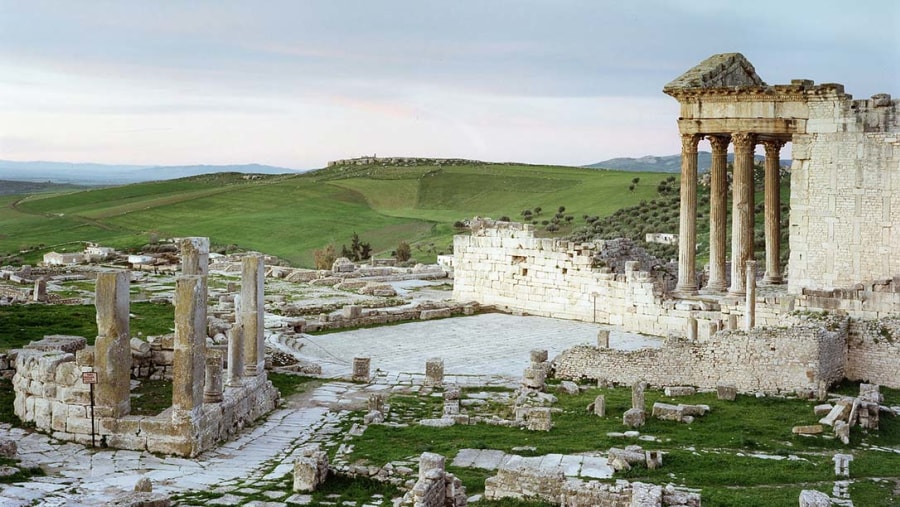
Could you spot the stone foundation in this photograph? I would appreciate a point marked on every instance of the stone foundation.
(50, 394)
(551, 485)
(765, 359)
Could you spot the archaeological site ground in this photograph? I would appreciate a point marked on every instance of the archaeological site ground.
(729, 338)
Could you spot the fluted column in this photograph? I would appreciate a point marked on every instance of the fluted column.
(687, 229)
(773, 212)
(741, 210)
(718, 212)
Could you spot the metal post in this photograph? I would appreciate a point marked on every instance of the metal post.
(92, 415)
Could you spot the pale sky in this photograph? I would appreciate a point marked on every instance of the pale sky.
(296, 83)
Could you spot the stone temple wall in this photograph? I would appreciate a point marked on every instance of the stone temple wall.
(506, 266)
(50, 394)
(808, 357)
(874, 351)
(845, 193)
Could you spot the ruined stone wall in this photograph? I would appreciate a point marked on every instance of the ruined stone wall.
(803, 356)
(550, 485)
(50, 394)
(874, 352)
(845, 202)
(506, 266)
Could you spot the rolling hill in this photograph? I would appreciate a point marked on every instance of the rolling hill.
(110, 174)
(291, 215)
(665, 164)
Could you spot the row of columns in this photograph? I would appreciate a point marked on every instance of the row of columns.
(742, 215)
(197, 371)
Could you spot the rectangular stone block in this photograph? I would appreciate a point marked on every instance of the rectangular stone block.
(361, 368)
(727, 392)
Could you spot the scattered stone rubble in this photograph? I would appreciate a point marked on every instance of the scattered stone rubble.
(435, 487)
(513, 480)
(847, 412)
(310, 469)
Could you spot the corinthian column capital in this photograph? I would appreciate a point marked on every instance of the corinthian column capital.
(719, 144)
(689, 142)
(743, 141)
(773, 147)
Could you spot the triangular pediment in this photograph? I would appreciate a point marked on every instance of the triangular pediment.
(718, 71)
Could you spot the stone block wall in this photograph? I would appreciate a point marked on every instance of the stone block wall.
(874, 352)
(806, 356)
(550, 485)
(504, 265)
(50, 394)
(844, 199)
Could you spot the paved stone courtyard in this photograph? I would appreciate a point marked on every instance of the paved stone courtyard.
(484, 349)
(487, 344)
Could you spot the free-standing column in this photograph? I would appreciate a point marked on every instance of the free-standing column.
(189, 361)
(687, 230)
(773, 211)
(112, 349)
(252, 301)
(718, 212)
(742, 210)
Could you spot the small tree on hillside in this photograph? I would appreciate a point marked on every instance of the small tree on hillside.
(403, 252)
(324, 257)
(358, 251)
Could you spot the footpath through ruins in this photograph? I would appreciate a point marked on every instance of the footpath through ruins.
(259, 458)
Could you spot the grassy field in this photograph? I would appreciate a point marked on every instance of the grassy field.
(290, 216)
(740, 454)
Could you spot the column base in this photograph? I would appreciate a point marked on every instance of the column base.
(741, 292)
(250, 371)
(773, 280)
(715, 287)
(685, 291)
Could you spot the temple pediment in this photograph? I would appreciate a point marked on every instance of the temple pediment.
(725, 70)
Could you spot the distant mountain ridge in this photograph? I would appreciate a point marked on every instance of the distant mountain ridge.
(664, 164)
(108, 174)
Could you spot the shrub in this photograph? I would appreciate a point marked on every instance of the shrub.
(403, 252)
(324, 257)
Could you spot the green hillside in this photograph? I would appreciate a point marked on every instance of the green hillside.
(290, 215)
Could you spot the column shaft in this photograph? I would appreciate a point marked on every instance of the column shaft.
(742, 210)
(687, 230)
(112, 349)
(718, 212)
(252, 308)
(773, 212)
(189, 361)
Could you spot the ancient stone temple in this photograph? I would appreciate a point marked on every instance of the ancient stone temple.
(843, 266)
(53, 382)
(844, 176)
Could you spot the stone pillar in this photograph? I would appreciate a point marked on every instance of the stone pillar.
(750, 310)
(773, 212)
(687, 229)
(235, 356)
(252, 309)
(742, 209)
(637, 395)
(600, 406)
(212, 391)
(603, 339)
(718, 212)
(112, 349)
(692, 329)
(361, 366)
(434, 372)
(40, 290)
(194, 256)
(189, 361)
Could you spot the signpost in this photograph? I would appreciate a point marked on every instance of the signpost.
(90, 378)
